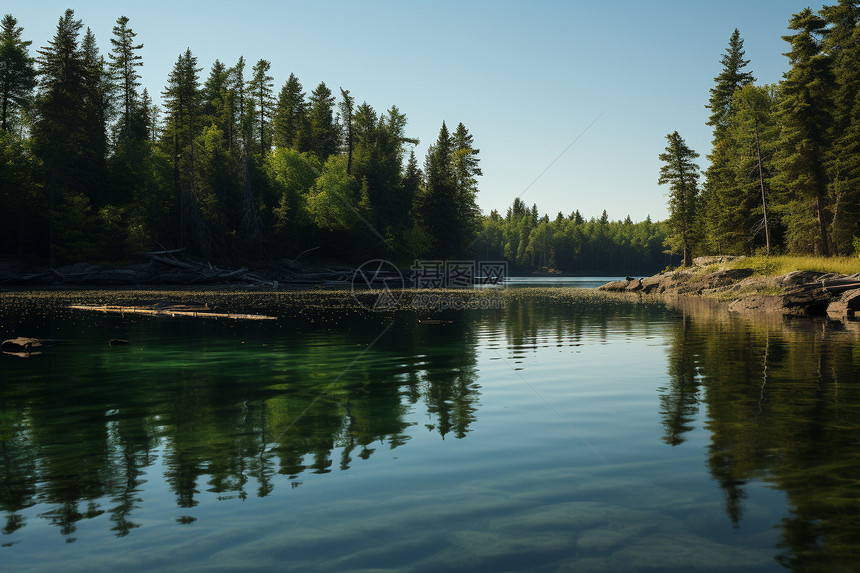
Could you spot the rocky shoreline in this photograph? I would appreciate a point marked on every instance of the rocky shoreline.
(806, 293)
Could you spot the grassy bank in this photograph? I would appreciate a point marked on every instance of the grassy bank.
(780, 265)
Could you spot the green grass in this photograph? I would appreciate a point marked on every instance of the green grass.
(708, 270)
(780, 265)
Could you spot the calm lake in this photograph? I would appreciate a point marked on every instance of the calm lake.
(561, 430)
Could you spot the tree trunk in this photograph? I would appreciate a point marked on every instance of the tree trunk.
(822, 226)
(763, 196)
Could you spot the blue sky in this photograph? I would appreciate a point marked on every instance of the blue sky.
(526, 78)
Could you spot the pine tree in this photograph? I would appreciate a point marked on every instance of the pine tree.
(464, 163)
(17, 73)
(97, 111)
(217, 105)
(59, 106)
(124, 61)
(750, 136)
(805, 118)
(182, 102)
(289, 113)
(347, 107)
(151, 114)
(718, 178)
(681, 173)
(730, 79)
(243, 130)
(843, 157)
(260, 88)
(438, 200)
(322, 130)
(411, 180)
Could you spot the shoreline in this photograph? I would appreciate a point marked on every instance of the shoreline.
(742, 290)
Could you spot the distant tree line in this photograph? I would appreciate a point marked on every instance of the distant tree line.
(571, 244)
(784, 173)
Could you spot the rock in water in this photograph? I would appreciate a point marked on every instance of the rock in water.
(24, 347)
(846, 305)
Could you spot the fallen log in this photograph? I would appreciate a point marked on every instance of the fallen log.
(175, 263)
(170, 252)
(172, 311)
(842, 287)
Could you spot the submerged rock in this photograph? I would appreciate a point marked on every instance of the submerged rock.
(24, 347)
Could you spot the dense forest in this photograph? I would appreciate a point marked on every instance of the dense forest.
(784, 172)
(232, 169)
(228, 167)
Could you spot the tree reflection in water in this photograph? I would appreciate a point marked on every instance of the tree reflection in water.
(780, 398)
(238, 413)
(79, 438)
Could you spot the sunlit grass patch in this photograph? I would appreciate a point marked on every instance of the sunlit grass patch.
(780, 265)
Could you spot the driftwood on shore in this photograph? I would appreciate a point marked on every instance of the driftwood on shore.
(172, 267)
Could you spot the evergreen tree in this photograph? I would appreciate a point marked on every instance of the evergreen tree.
(182, 101)
(464, 164)
(323, 134)
(411, 179)
(750, 135)
(718, 177)
(17, 73)
(124, 61)
(289, 113)
(438, 201)
(805, 109)
(681, 173)
(243, 129)
(842, 43)
(151, 114)
(260, 88)
(97, 111)
(347, 107)
(217, 102)
(730, 79)
(59, 106)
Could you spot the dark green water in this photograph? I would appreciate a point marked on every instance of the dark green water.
(562, 432)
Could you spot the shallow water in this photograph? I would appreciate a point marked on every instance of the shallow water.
(563, 431)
